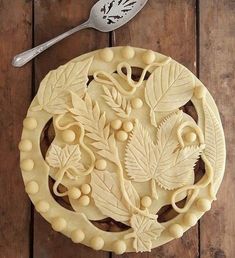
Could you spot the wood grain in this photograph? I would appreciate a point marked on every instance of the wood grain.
(52, 18)
(217, 66)
(15, 96)
(167, 27)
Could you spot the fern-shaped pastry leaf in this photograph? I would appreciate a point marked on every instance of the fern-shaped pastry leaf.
(89, 115)
(119, 104)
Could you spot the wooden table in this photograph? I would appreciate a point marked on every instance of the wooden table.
(199, 34)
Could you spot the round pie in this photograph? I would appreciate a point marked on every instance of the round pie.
(122, 149)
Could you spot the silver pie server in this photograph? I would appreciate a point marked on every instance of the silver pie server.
(105, 16)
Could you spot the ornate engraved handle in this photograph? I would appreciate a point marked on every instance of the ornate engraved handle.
(24, 57)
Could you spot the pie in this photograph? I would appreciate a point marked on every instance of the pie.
(122, 149)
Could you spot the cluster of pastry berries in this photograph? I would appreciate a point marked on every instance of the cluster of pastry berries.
(82, 194)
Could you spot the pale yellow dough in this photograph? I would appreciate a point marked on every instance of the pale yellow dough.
(122, 148)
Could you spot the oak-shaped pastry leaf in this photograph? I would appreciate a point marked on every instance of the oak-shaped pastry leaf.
(66, 157)
(108, 197)
(145, 231)
(168, 88)
(89, 115)
(55, 88)
(167, 164)
(117, 102)
(214, 141)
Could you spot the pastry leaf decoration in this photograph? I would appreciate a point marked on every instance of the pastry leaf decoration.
(68, 156)
(117, 102)
(140, 158)
(168, 88)
(214, 141)
(89, 115)
(145, 231)
(108, 197)
(54, 91)
(67, 161)
(180, 171)
(166, 164)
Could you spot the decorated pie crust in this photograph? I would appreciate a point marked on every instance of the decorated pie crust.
(123, 149)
